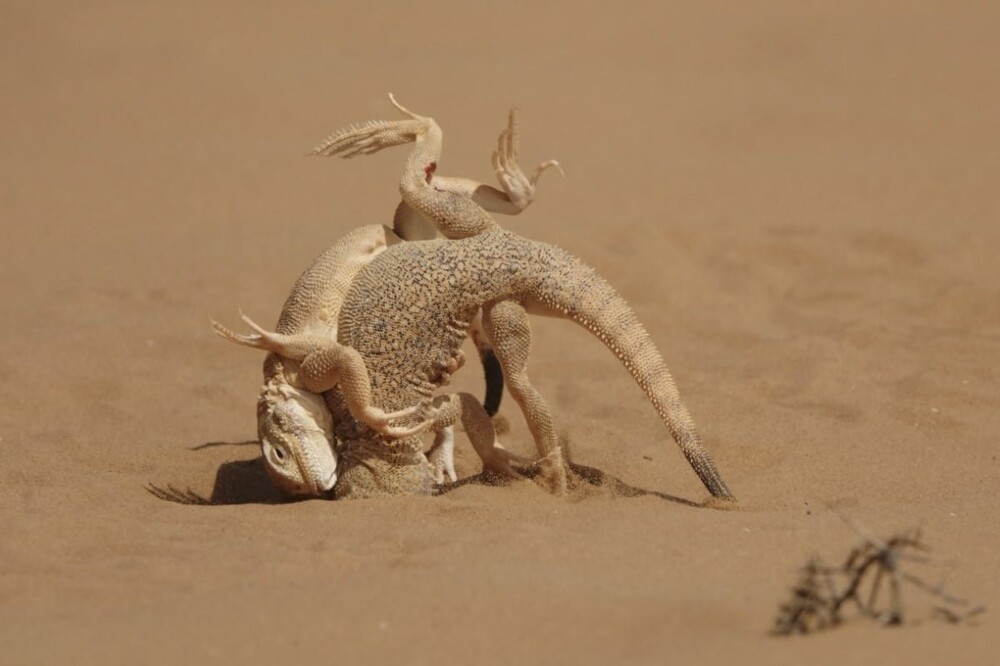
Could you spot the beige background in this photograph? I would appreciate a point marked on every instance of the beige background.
(799, 201)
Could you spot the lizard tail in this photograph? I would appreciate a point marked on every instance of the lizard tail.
(575, 291)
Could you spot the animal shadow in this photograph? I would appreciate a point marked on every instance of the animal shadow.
(246, 482)
(584, 482)
(236, 482)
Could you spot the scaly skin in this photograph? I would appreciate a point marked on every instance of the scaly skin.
(293, 423)
(445, 283)
(294, 427)
(408, 312)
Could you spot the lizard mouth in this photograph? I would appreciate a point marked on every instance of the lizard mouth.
(328, 484)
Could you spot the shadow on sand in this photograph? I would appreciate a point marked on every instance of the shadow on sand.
(236, 482)
(246, 482)
(584, 482)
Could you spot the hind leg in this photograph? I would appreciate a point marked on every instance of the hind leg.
(455, 215)
(375, 135)
(507, 325)
(479, 428)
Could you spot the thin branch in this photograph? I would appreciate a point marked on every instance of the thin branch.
(816, 603)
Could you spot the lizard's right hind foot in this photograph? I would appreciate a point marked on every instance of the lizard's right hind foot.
(375, 135)
(518, 187)
(503, 464)
(552, 474)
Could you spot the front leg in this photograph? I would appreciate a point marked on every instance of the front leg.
(343, 366)
(325, 363)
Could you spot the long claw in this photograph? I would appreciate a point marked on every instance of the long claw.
(380, 421)
(545, 165)
(224, 332)
(246, 340)
(261, 331)
(398, 432)
(402, 109)
(512, 133)
(500, 157)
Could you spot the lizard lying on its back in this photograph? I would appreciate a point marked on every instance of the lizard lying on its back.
(408, 311)
(294, 425)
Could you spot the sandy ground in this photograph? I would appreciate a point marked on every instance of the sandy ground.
(799, 201)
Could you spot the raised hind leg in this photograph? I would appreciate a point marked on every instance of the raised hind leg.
(507, 325)
(325, 363)
(375, 135)
(455, 215)
(517, 190)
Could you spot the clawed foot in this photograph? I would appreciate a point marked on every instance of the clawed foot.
(293, 347)
(500, 462)
(380, 421)
(255, 340)
(504, 463)
(445, 369)
(519, 188)
(374, 135)
(552, 473)
(260, 339)
(442, 456)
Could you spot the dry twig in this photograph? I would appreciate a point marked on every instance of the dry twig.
(818, 601)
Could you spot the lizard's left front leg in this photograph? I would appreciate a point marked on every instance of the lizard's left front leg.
(325, 363)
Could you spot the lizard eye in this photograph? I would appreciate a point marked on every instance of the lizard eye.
(274, 454)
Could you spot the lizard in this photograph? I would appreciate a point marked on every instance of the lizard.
(294, 425)
(408, 311)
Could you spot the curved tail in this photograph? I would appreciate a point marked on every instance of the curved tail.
(573, 290)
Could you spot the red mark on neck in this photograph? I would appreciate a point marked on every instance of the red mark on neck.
(429, 171)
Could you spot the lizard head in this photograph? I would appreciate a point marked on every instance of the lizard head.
(296, 438)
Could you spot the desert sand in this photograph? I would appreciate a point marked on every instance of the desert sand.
(799, 200)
